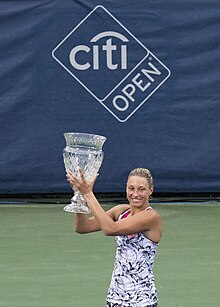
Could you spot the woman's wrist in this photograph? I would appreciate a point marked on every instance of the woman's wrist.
(88, 194)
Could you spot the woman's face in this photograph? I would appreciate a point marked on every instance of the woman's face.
(138, 191)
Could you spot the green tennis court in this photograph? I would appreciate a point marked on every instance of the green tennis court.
(44, 263)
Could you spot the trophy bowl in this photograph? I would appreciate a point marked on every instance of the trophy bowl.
(85, 151)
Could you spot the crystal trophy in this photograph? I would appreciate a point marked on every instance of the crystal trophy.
(85, 151)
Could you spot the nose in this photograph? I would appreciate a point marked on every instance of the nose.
(135, 192)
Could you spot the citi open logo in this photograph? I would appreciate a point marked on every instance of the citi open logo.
(111, 63)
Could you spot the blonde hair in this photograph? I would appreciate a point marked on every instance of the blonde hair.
(143, 172)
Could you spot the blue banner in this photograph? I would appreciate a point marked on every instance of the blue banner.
(145, 74)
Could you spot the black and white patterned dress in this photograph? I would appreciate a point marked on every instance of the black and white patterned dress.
(132, 283)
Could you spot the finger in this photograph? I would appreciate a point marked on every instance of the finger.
(81, 173)
(72, 180)
(94, 179)
(69, 174)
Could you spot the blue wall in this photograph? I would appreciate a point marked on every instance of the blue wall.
(156, 99)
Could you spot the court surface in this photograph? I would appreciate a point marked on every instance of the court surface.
(44, 263)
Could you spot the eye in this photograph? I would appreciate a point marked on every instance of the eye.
(130, 188)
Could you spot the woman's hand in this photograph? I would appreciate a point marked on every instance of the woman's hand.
(80, 183)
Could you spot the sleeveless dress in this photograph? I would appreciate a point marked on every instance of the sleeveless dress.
(132, 283)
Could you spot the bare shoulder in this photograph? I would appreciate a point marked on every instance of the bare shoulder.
(153, 212)
(150, 219)
(115, 211)
(154, 225)
(154, 215)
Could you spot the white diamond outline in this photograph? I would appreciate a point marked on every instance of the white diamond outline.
(102, 100)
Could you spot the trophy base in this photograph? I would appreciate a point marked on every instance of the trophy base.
(76, 208)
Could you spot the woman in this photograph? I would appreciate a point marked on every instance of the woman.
(138, 230)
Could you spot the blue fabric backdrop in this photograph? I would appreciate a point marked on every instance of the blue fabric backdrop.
(166, 120)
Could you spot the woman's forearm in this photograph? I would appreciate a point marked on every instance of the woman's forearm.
(81, 223)
(85, 224)
(104, 221)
